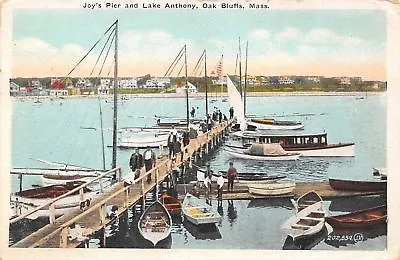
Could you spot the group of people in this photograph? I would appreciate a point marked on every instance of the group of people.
(137, 161)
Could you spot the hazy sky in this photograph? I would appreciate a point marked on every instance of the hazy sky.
(49, 42)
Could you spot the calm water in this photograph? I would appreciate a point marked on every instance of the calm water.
(68, 131)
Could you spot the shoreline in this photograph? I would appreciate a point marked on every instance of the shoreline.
(210, 95)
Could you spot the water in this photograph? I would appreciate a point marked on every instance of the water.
(68, 131)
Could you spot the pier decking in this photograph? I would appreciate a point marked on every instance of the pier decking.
(94, 218)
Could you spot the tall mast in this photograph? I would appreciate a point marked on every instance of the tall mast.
(114, 154)
(245, 81)
(187, 92)
(240, 71)
(205, 80)
(102, 137)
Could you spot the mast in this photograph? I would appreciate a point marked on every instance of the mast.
(245, 81)
(205, 80)
(187, 92)
(114, 154)
(240, 71)
(102, 137)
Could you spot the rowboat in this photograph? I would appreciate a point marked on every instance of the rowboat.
(155, 223)
(198, 212)
(354, 185)
(306, 200)
(360, 219)
(172, 204)
(250, 177)
(24, 201)
(265, 152)
(144, 139)
(306, 222)
(272, 124)
(271, 189)
(312, 145)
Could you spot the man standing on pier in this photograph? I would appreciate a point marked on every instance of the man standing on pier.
(136, 163)
(232, 175)
(149, 161)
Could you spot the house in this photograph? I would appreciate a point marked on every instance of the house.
(130, 83)
(343, 80)
(180, 89)
(58, 92)
(285, 80)
(15, 89)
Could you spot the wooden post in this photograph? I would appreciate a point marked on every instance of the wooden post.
(20, 182)
(126, 198)
(143, 195)
(52, 213)
(101, 185)
(64, 237)
(119, 174)
(101, 214)
(81, 194)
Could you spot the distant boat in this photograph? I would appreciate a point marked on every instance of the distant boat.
(360, 219)
(155, 223)
(272, 124)
(264, 152)
(312, 145)
(198, 212)
(271, 189)
(355, 185)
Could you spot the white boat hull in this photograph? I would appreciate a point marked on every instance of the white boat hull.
(275, 126)
(198, 213)
(297, 227)
(337, 151)
(271, 188)
(286, 157)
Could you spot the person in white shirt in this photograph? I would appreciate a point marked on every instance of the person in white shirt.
(207, 184)
(149, 161)
(220, 182)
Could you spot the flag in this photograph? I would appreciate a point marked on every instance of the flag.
(219, 69)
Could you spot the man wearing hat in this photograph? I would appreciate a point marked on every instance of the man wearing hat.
(232, 175)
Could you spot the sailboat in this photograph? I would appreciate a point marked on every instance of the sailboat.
(257, 123)
(23, 202)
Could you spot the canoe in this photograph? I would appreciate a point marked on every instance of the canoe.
(243, 154)
(360, 219)
(155, 223)
(306, 200)
(306, 222)
(172, 204)
(27, 200)
(353, 185)
(271, 188)
(251, 177)
(197, 212)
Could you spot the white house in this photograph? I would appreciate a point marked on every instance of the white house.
(15, 89)
(285, 80)
(58, 92)
(127, 83)
(182, 90)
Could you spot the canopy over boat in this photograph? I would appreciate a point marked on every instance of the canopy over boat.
(266, 149)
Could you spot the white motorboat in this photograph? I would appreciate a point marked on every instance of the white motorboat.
(266, 152)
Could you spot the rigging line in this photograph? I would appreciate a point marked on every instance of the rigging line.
(105, 57)
(236, 64)
(90, 49)
(104, 46)
(198, 63)
(183, 65)
(174, 62)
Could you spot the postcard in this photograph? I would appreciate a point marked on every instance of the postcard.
(202, 129)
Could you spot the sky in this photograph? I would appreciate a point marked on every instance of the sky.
(49, 42)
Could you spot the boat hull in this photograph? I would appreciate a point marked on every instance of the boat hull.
(240, 154)
(333, 150)
(358, 185)
(272, 189)
(275, 126)
(197, 212)
(172, 204)
(360, 219)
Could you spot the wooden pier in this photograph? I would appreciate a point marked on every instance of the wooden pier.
(93, 218)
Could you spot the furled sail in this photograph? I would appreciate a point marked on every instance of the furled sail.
(235, 101)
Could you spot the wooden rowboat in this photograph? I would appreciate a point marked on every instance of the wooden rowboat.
(306, 222)
(271, 189)
(172, 204)
(306, 200)
(198, 212)
(360, 219)
(352, 185)
(155, 223)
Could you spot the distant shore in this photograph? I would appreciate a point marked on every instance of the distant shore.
(210, 95)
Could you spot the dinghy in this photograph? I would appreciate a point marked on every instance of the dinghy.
(306, 200)
(155, 223)
(271, 189)
(360, 219)
(198, 212)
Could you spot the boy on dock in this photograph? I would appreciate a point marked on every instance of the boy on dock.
(232, 175)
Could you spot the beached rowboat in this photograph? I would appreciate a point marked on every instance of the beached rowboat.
(155, 223)
(198, 212)
(360, 219)
(271, 189)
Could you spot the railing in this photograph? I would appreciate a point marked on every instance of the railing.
(51, 204)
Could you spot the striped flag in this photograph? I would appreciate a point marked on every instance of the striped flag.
(219, 68)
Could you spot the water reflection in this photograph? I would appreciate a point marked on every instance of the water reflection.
(357, 203)
(232, 213)
(203, 232)
(305, 243)
(343, 237)
(271, 203)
